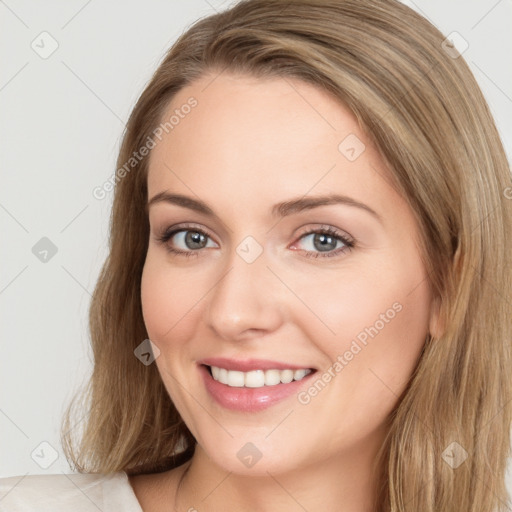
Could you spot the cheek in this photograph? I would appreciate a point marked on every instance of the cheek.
(380, 328)
(155, 300)
(352, 301)
(168, 311)
(169, 297)
(376, 320)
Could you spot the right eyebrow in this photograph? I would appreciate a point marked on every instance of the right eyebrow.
(181, 200)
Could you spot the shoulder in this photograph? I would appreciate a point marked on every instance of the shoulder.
(66, 492)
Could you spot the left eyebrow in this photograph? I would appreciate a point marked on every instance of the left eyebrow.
(278, 210)
(307, 203)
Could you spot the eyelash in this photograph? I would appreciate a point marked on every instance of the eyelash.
(348, 242)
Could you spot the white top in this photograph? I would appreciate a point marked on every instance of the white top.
(75, 492)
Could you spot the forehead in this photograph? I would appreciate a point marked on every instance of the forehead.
(273, 139)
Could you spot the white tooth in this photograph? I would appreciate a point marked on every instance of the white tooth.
(235, 379)
(286, 376)
(255, 379)
(299, 374)
(223, 376)
(215, 372)
(272, 377)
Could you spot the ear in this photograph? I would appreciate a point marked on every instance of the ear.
(436, 322)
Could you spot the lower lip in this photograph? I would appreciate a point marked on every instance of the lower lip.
(249, 399)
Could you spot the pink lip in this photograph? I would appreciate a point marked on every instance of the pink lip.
(250, 399)
(249, 364)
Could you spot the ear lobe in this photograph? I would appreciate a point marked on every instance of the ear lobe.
(436, 322)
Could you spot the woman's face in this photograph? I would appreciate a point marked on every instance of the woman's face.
(260, 286)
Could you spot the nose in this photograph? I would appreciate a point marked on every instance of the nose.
(246, 301)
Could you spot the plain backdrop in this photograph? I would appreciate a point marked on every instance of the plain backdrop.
(62, 116)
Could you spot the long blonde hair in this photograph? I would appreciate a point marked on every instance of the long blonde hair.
(425, 112)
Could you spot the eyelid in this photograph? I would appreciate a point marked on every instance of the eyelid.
(172, 230)
(327, 228)
(348, 241)
(306, 231)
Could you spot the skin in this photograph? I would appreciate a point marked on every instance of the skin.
(247, 145)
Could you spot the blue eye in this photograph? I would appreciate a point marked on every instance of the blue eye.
(324, 240)
(193, 238)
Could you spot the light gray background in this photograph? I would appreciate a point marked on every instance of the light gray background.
(61, 124)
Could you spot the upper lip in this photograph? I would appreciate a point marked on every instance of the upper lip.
(246, 365)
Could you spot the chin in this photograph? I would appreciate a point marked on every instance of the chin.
(253, 455)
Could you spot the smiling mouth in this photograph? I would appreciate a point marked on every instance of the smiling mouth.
(256, 378)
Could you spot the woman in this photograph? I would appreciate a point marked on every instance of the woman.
(310, 225)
